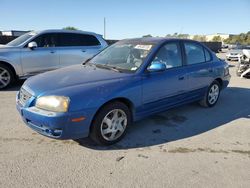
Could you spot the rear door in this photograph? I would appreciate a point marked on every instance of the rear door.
(76, 48)
(166, 88)
(199, 66)
(43, 58)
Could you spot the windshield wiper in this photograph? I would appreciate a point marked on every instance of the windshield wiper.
(114, 68)
(105, 66)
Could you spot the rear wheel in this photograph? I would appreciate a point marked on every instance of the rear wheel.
(212, 95)
(111, 123)
(6, 76)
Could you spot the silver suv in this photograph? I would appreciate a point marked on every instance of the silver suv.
(37, 52)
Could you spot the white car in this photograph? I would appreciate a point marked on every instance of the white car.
(235, 54)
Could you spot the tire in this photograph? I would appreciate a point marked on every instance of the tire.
(110, 123)
(6, 76)
(212, 91)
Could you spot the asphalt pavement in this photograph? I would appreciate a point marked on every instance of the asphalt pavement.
(189, 146)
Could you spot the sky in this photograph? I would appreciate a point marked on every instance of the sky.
(128, 18)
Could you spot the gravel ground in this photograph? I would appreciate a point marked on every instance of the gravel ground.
(189, 146)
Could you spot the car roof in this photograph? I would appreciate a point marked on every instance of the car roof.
(64, 31)
(151, 40)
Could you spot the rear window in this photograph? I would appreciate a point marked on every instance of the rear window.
(72, 39)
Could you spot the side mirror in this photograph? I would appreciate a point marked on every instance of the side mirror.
(156, 66)
(32, 45)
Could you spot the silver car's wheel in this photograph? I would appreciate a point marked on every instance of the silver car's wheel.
(213, 94)
(5, 77)
(113, 124)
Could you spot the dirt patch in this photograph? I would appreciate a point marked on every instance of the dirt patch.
(208, 150)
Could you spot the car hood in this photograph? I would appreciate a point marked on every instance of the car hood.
(70, 76)
(4, 48)
(235, 51)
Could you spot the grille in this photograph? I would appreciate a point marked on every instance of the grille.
(24, 96)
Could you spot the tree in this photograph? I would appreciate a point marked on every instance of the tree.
(148, 35)
(217, 39)
(70, 28)
(183, 36)
(201, 38)
(176, 35)
(242, 38)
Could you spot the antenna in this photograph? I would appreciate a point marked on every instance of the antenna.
(104, 28)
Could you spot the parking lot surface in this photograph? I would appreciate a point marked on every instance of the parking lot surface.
(189, 146)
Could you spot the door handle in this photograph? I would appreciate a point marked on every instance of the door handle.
(52, 52)
(83, 51)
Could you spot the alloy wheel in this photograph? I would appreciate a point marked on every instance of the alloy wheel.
(4, 77)
(114, 124)
(213, 94)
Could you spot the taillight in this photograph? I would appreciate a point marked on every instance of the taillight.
(226, 71)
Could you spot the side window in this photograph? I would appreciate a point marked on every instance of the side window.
(207, 55)
(68, 39)
(47, 40)
(194, 53)
(89, 40)
(170, 55)
(72, 39)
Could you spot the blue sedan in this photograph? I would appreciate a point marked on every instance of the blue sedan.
(126, 82)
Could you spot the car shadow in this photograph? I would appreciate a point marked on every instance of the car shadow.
(15, 87)
(182, 122)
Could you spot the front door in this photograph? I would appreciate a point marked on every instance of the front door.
(166, 88)
(43, 58)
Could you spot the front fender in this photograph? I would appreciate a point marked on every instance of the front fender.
(14, 62)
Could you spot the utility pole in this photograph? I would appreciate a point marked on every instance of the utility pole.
(104, 28)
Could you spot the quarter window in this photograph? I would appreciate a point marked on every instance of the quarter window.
(207, 55)
(170, 55)
(72, 39)
(194, 53)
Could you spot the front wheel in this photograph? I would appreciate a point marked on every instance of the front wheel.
(6, 76)
(212, 95)
(110, 123)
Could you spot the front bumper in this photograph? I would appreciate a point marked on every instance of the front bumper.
(233, 57)
(55, 125)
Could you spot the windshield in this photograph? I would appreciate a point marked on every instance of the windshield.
(123, 56)
(21, 39)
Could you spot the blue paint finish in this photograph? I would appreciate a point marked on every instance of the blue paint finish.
(90, 87)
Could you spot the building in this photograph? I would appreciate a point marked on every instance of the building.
(14, 33)
(223, 36)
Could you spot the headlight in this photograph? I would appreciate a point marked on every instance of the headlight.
(53, 103)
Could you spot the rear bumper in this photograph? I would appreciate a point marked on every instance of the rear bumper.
(226, 80)
(55, 125)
